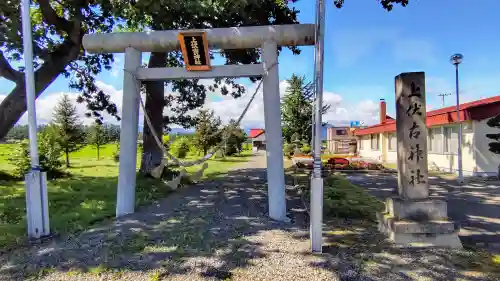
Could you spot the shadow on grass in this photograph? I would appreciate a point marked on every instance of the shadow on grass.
(207, 229)
(204, 227)
(100, 165)
(75, 204)
(231, 160)
(6, 177)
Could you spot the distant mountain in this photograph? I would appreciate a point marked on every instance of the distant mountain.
(181, 131)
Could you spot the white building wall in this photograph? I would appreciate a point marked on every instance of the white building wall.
(448, 162)
(486, 162)
(476, 158)
(367, 151)
(392, 157)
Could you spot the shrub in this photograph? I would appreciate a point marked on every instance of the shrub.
(340, 166)
(306, 149)
(180, 148)
(49, 154)
(289, 149)
(6, 176)
(165, 139)
(338, 160)
(116, 153)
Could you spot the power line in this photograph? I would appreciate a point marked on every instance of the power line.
(444, 95)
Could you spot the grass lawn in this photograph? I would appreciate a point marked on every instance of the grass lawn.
(341, 198)
(86, 197)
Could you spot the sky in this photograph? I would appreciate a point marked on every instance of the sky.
(365, 48)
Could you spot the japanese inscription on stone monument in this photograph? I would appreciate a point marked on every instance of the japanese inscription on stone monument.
(194, 47)
(412, 136)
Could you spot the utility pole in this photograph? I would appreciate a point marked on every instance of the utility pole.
(316, 202)
(444, 95)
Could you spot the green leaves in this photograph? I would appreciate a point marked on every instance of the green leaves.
(386, 4)
(181, 147)
(233, 137)
(296, 110)
(67, 126)
(207, 130)
(49, 151)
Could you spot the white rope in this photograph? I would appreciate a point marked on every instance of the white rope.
(209, 155)
(206, 157)
(157, 171)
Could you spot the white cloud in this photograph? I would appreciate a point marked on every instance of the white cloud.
(340, 111)
(471, 88)
(366, 111)
(225, 107)
(46, 104)
(117, 67)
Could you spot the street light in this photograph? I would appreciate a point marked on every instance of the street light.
(456, 59)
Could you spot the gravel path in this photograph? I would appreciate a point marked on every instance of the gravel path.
(219, 230)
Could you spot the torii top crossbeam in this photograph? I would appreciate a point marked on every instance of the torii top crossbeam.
(218, 38)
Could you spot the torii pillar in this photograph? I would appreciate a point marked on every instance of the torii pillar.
(267, 38)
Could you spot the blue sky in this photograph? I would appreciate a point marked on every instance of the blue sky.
(366, 47)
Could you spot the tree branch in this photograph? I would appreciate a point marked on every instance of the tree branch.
(61, 24)
(6, 70)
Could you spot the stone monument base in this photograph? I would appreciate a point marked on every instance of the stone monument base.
(418, 223)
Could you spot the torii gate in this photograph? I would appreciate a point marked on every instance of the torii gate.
(268, 38)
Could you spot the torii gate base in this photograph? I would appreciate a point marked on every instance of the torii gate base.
(265, 37)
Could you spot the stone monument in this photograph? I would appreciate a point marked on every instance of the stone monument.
(412, 218)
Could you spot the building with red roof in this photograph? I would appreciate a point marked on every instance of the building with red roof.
(379, 141)
(258, 137)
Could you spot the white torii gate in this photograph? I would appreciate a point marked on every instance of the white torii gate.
(268, 38)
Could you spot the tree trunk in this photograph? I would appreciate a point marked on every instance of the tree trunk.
(67, 157)
(14, 105)
(98, 152)
(155, 102)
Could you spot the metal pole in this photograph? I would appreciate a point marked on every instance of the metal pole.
(316, 229)
(460, 172)
(313, 115)
(29, 82)
(37, 210)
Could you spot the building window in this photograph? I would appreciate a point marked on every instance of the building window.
(361, 143)
(393, 141)
(341, 132)
(435, 140)
(374, 138)
(450, 139)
